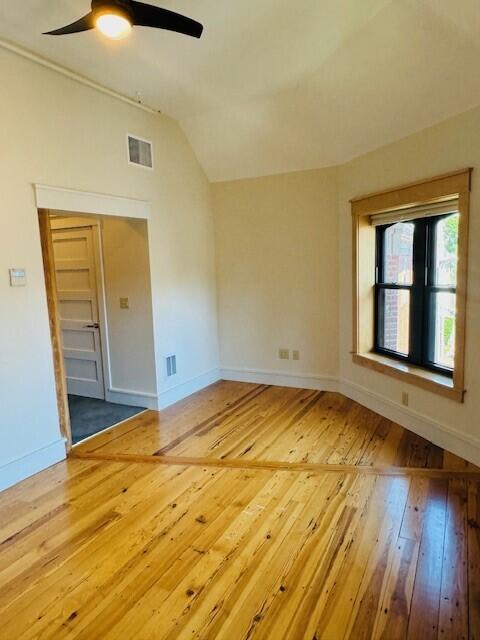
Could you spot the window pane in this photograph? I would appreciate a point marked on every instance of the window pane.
(398, 253)
(444, 319)
(446, 251)
(395, 304)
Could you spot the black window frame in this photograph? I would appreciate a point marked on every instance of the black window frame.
(422, 293)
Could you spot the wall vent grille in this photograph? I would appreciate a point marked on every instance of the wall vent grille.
(140, 152)
(171, 366)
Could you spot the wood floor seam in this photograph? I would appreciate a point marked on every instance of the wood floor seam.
(266, 465)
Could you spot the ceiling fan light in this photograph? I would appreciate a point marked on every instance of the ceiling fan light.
(113, 25)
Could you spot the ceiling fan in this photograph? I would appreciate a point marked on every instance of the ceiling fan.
(115, 19)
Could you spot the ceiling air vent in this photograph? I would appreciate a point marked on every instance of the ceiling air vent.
(140, 152)
(171, 366)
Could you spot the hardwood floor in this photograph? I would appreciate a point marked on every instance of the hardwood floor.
(245, 511)
(233, 421)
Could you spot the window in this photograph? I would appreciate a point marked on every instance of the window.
(415, 291)
(410, 281)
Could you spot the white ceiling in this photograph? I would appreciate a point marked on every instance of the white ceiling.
(280, 85)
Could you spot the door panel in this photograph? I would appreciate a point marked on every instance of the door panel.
(78, 306)
(76, 310)
(80, 340)
(81, 369)
(69, 279)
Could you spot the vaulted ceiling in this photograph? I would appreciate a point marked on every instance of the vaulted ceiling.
(279, 85)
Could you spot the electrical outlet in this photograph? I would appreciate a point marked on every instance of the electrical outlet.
(284, 354)
(124, 303)
(296, 355)
(405, 399)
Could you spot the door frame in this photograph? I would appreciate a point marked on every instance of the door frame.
(74, 221)
(55, 329)
(58, 200)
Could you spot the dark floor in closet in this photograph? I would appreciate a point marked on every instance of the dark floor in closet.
(89, 416)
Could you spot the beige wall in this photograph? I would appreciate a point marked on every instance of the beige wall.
(277, 272)
(454, 144)
(58, 132)
(130, 331)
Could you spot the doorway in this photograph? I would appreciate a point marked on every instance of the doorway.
(80, 297)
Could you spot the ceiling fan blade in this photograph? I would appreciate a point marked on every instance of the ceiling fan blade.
(146, 15)
(84, 24)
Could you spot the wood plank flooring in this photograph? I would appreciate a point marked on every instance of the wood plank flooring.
(245, 511)
(237, 421)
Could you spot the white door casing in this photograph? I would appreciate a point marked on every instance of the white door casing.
(75, 268)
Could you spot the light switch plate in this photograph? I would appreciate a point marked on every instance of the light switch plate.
(295, 355)
(284, 354)
(124, 303)
(18, 277)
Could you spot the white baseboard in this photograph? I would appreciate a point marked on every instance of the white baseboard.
(26, 466)
(442, 435)
(132, 398)
(280, 379)
(184, 389)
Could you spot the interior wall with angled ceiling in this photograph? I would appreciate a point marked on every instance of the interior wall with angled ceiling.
(58, 132)
(284, 270)
(283, 242)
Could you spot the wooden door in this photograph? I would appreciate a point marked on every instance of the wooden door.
(75, 269)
